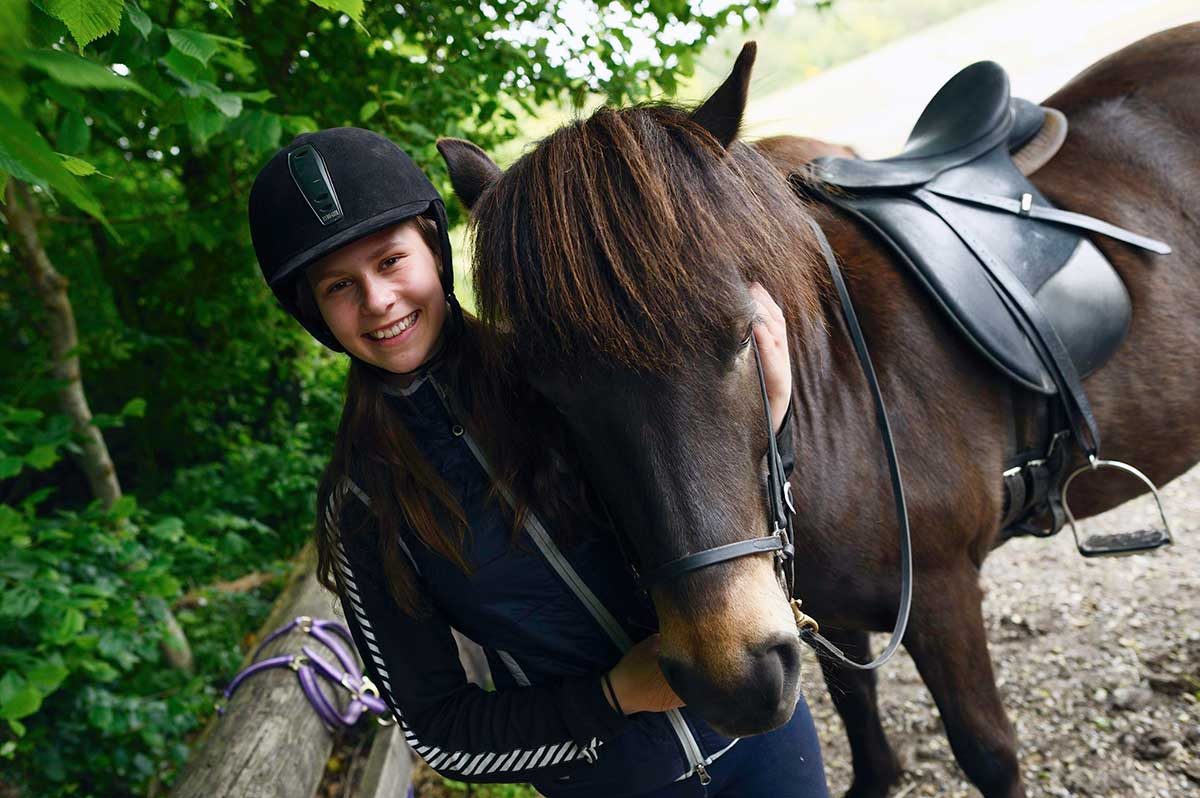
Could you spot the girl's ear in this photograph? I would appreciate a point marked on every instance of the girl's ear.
(472, 172)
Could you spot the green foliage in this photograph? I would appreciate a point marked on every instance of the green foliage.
(490, 790)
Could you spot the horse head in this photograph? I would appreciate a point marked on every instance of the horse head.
(615, 259)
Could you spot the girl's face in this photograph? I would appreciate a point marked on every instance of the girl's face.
(382, 297)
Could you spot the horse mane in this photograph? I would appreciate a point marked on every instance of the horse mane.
(630, 236)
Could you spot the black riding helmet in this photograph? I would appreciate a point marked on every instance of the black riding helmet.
(330, 188)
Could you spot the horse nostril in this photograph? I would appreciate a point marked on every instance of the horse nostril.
(777, 665)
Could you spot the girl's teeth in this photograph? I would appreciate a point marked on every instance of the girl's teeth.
(395, 329)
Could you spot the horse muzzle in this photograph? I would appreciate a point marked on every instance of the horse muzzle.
(753, 693)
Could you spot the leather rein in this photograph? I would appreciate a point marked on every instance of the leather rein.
(780, 507)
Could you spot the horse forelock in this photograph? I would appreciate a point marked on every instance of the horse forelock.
(629, 237)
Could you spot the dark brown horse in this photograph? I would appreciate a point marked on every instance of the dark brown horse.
(616, 254)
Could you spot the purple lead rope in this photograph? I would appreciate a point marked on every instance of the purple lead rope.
(364, 695)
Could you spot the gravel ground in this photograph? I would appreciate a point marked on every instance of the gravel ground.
(1098, 663)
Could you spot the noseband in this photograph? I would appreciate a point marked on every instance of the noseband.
(780, 507)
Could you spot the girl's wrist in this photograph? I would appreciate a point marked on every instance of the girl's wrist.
(610, 692)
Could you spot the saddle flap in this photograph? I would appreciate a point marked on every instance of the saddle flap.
(941, 241)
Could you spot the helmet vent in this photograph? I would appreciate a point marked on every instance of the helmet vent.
(312, 178)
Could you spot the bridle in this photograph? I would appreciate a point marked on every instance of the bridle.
(780, 507)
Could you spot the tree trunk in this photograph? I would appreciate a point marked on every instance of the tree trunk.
(51, 288)
(64, 341)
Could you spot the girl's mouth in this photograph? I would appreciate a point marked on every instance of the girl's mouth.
(401, 330)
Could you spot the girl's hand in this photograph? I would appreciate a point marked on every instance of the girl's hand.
(770, 331)
(639, 682)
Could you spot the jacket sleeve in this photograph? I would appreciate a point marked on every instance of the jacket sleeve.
(459, 729)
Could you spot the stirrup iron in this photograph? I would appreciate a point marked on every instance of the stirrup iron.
(1117, 543)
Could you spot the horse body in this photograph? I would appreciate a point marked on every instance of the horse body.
(1132, 157)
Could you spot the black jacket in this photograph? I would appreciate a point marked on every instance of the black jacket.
(550, 622)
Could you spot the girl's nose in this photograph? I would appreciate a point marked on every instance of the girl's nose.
(378, 296)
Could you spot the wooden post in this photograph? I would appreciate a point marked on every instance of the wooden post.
(389, 766)
(270, 743)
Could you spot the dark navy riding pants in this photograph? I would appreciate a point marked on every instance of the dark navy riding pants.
(785, 763)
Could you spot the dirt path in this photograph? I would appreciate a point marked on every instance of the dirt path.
(1098, 662)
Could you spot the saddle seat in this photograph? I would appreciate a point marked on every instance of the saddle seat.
(1008, 269)
(972, 113)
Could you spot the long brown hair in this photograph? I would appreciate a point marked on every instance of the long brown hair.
(525, 446)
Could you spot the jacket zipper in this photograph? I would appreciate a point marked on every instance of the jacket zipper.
(566, 572)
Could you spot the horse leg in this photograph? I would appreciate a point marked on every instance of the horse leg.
(876, 767)
(947, 641)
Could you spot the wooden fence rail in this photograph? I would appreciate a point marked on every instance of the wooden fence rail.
(270, 743)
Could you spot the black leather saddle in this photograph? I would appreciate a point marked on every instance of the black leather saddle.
(1013, 273)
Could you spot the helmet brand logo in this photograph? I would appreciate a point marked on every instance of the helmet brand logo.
(312, 178)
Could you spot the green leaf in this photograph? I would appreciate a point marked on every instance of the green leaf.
(70, 624)
(78, 166)
(123, 507)
(87, 20)
(227, 103)
(79, 72)
(18, 698)
(19, 602)
(139, 19)
(18, 729)
(260, 130)
(14, 24)
(368, 110)
(202, 121)
(24, 415)
(26, 156)
(10, 467)
(74, 135)
(11, 523)
(300, 124)
(184, 66)
(42, 457)
(351, 8)
(99, 670)
(48, 674)
(135, 407)
(193, 43)
(260, 96)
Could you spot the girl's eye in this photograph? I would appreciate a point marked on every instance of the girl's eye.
(337, 286)
(392, 261)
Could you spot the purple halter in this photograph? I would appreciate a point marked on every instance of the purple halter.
(364, 695)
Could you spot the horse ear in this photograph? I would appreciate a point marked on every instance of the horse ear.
(472, 172)
(721, 113)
